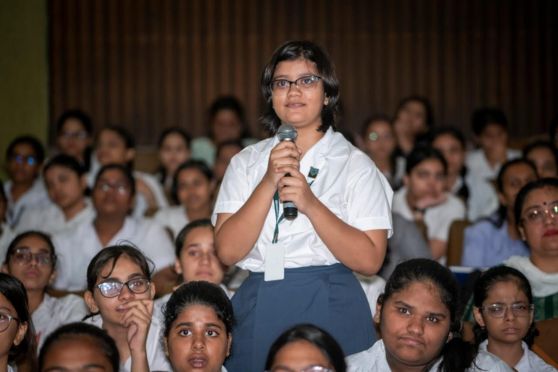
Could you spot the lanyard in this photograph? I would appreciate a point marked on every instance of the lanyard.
(312, 174)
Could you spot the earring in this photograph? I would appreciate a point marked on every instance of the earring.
(326, 101)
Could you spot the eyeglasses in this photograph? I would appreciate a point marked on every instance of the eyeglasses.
(536, 215)
(314, 368)
(22, 159)
(80, 135)
(5, 320)
(303, 82)
(112, 288)
(518, 309)
(24, 256)
(120, 188)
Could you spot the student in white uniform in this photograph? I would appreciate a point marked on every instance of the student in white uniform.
(192, 190)
(504, 316)
(31, 258)
(420, 323)
(174, 149)
(120, 297)
(16, 331)
(79, 347)
(198, 323)
(65, 182)
(24, 189)
(423, 197)
(301, 269)
(112, 197)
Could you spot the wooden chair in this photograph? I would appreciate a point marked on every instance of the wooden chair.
(455, 242)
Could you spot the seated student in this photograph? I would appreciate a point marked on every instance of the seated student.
(496, 238)
(24, 189)
(198, 328)
(74, 137)
(543, 154)
(192, 189)
(174, 149)
(423, 197)
(79, 347)
(412, 121)
(16, 330)
(120, 297)
(6, 232)
(419, 323)
(31, 258)
(504, 316)
(305, 347)
(112, 196)
(196, 258)
(65, 182)
(115, 145)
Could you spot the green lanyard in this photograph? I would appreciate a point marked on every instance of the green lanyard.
(312, 174)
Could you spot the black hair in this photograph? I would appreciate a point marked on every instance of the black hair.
(228, 103)
(457, 354)
(66, 161)
(484, 116)
(541, 183)
(111, 255)
(164, 134)
(125, 136)
(199, 293)
(32, 141)
(224, 144)
(422, 153)
(485, 283)
(14, 291)
(78, 115)
(39, 234)
(183, 234)
(429, 117)
(76, 330)
(124, 169)
(318, 337)
(290, 51)
(199, 165)
(541, 144)
(373, 119)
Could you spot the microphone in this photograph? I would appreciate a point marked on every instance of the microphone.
(287, 132)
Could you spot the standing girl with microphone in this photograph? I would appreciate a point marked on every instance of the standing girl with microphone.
(301, 270)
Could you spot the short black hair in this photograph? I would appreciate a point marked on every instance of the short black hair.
(373, 119)
(484, 116)
(174, 130)
(421, 153)
(429, 119)
(32, 141)
(66, 161)
(231, 103)
(199, 165)
(183, 234)
(77, 114)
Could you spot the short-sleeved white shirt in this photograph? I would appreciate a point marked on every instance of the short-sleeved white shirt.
(156, 357)
(54, 312)
(348, 183)
(478, 165)
(438, 219)
(51, 219)
(76, 248)
(528, 362)
(35, 197)
(173, 217)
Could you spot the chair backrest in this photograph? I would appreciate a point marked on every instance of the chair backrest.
(455, 242)
(545, 342)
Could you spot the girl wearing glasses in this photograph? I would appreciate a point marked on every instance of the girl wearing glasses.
(504, 315)
(16, 331)
(301, 269)
(120, 297)
(31, 259)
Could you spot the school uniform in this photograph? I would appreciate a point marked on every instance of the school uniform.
(316, 287)
(156, 357)
(529, 362)
(482, 200)
(76, 248)
(479, 166)
(35, 197)
(51, 219)
(173, 218)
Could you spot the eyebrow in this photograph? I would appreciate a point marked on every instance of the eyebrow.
(309, 73)
(429, 313)
(190, 324)
(87, 366)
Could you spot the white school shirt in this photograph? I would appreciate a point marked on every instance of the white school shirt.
(51, 219)
(348, 183)
(173, 217)
(374, 360)
(76, 248)
(373, 287)
(478, 165)
(482, 201)
(35, 197)
(156, 357)
(438, 218)
(529, 362)
(54, 312)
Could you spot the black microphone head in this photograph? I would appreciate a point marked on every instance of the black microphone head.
(286, 132)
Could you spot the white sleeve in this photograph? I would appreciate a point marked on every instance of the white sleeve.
(156, 245)
(453, 210)
(235, 188)
(71, 308)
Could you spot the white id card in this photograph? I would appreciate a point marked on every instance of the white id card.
(275, 262)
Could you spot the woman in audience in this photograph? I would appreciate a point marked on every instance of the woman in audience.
(423, 198)
(192, 189)
(16, 329)
(543, 154)
(496, 238)
(79, 347)
(174, 149)
(115, 145)
(74, 136)
(66, 184)
(419, 321)
(31, 258)
(305, 347)
(25, 188)
(112, 196)
(120, 297)
(378, 141)
(198, 322)
(412, 121)
(504, 316)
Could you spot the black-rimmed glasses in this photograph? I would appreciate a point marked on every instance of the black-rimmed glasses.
(303, 82)
(112, 288)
